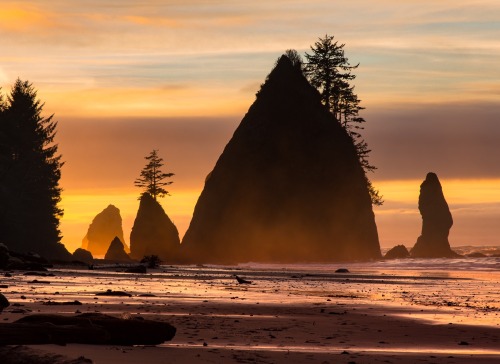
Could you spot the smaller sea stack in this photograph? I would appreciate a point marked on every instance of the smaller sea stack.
(116, 251)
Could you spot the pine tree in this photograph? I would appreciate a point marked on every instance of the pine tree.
(329, 70)
(152, 178)
(31, 170)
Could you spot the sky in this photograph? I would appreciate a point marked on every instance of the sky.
(124, 77)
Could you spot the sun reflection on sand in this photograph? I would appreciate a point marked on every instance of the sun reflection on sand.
(372, 310)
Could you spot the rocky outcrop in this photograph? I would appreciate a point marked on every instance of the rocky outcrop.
(116, 252)
(105, 226)
(436, 221)
(86, 328)
(398, 252)
(153, 232)
(20, 261)
(4, 302)
(83, 255)
(287, 188)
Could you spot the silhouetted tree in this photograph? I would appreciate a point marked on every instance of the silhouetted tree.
(295, 58)
(152, 178)
(329, 70)
(30, 170)
(152, 261)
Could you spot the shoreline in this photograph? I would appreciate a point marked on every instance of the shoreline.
(284, 316)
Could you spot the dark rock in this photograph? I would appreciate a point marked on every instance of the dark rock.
(56, 253)
(137, 269)
(242, 280)
(4, 256)
(342, 270)
(104, 227)
(65, 303)
(4, 302)
(288, 187)
(25, 355)
(39, 274)
(436, 221)
(32, 253)
(116, 252)
(22, 261)
(153, 232)
(398, 252)
(476, 255)
(114, 293)
(87, 328)
(36, 281)
(83, 255)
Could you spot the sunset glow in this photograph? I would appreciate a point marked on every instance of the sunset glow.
(124, 77)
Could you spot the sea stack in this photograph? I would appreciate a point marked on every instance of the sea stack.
(104, 227)
(116, 251)
(153, 232)
(288, 187)
(83, 255)
(436, 221)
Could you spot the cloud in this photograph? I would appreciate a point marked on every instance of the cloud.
(456, 140)
(25, 19)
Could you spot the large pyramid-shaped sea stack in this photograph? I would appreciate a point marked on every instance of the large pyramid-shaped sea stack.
(287, 188)
(153, 232)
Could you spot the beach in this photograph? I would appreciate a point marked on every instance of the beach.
(401, 311)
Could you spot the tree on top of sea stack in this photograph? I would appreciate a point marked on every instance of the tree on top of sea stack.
(152, 179)
(436, 221)
(328, 69)
(288, 187)
(30, 170)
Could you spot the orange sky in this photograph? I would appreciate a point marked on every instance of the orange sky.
(124, 77)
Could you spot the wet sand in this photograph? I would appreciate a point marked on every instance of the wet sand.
(292, 315)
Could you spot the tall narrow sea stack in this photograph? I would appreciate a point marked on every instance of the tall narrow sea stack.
(436, 221)
(287, 188)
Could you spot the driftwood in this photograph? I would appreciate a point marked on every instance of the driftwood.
(87, 328)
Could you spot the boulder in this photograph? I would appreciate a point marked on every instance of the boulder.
(116, 252)
(288, 186)
(398, 252)
(153, 232)
(104, 227)
(4, 302)
(86, 328)
(83, 255)
(436, 221)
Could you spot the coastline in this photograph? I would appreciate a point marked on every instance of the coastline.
(292, 314)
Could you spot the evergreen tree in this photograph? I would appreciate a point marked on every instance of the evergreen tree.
(30, 174)
(329, 70)
(152, 178)
(295, 58)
